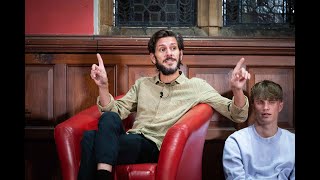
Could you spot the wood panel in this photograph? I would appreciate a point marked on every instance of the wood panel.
(138, 45)
(39, 95)
(58, 84)
(60, 92)
(135, 72)
(219, 79)
(82, 92)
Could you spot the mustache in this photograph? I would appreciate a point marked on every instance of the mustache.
(170, 59)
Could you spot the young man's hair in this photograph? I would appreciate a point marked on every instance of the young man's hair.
(266, 90)
(164, 33)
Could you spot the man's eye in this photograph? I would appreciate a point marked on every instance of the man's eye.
(259, 102)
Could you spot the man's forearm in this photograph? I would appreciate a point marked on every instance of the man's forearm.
(104, 96)
(239, 97)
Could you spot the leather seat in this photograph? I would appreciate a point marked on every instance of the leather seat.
(180, 156)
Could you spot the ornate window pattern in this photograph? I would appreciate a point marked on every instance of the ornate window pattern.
(155, 13)
(237, 12)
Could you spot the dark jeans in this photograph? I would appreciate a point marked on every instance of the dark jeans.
(111, 145)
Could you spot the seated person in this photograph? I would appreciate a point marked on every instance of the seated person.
(262, 150)
(158, 101)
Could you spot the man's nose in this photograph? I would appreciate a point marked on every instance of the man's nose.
(266, 105)
(169, 53)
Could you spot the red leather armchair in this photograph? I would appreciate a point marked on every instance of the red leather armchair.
(180, 156)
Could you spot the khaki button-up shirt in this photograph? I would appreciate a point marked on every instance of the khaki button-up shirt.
(155, 114)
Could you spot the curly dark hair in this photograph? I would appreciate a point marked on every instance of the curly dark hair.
(164, 33)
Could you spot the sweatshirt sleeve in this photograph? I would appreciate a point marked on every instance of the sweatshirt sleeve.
(232, 161)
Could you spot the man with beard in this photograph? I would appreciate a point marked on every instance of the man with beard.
(158, 101)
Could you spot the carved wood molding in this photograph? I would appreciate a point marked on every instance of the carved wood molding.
(138, 45)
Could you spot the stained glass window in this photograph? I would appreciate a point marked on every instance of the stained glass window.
(237, 12)
(155, 13)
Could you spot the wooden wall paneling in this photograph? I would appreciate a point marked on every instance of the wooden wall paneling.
(136, 72)
(218, 78)
(122, 79)
(138, 45)
(123, 45)
(220, 127)
(60, 93)
(39, 94)
(231, 60)
(284, 77)
(60, 44)
(124, 63)
(61, 58)
(236, 46)
(44, 100)
(82, 91)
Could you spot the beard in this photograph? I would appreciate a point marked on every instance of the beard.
(168, 71)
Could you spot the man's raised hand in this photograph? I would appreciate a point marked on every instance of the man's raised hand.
(239, 75)
(98, 73)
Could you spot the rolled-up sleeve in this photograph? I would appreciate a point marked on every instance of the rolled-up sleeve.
(108, 107)
(239, 114)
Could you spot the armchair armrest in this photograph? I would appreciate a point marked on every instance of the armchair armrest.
(68, 135)
(182, 148)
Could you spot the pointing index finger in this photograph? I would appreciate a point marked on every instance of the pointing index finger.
(239, 64)
(100, 60)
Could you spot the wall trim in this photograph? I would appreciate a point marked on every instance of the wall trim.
(138, 45)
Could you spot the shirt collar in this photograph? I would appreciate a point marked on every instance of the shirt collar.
(179, 80)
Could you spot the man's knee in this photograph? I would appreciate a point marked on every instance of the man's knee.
(110, 118)
(88, 138)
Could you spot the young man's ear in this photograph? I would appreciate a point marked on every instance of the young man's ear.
(280, 106)
(153, 58)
